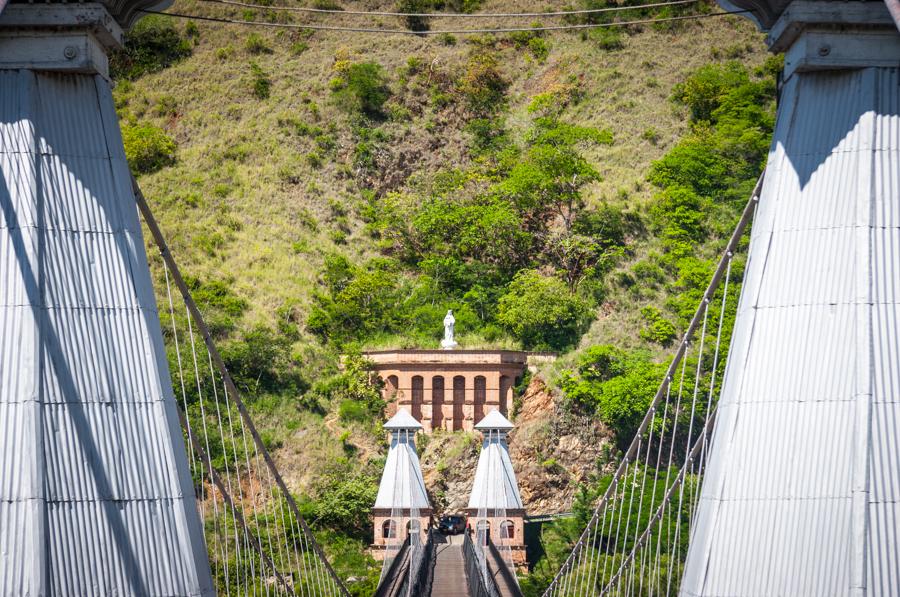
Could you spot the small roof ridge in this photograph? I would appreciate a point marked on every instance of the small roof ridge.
(402, 420)
(494, 420)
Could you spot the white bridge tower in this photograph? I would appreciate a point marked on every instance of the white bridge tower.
(802, 492)
(96, 497)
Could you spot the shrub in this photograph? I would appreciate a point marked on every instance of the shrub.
(606, 38)
(483, 85)
(678, 215)
(415, 6)
(221, 307)
(357, 301)
(152, 45)
(693, 163)
(355, 389)
(362, 88)
(314, 159)
(261, 362)
(191, 30)
(617, 385)
(225, 52)
(656, 327)
(703, 91)
(255, 44)
(539, 48)
(350, 410)
(650, 134)
(147, 148)
(344, 503)
(262, 85)
(541, 312)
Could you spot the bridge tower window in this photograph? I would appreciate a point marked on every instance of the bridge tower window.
(389, 530)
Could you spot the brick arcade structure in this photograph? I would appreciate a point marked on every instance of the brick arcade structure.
(449, 389)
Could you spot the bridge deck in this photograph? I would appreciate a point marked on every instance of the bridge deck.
(449, 568)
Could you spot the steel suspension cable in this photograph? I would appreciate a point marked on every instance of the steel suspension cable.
(233, 393)
(677, 482)
(203, 460)
(315, 27)
(452, 15)
(610, 495)
(227, 473)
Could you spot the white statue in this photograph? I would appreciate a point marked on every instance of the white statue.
(448, 343)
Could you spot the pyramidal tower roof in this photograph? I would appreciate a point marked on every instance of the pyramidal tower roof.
(494, 420)
(495, 486)
(402, 485)
(402, 420)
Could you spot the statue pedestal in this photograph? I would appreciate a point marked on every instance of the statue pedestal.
(448, 344)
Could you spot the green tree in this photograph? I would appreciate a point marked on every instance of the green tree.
(354, 388)
(261, 361)
(344, 501)
(363, 88)
(358, 302)
(615, 384)
(541, 312)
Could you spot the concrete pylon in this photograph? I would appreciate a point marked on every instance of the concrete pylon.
(802, 491)
(96, 497)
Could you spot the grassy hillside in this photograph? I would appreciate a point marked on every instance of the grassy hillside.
(280, 166)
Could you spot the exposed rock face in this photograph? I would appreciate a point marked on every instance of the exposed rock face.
(448, 466)
(552, 452)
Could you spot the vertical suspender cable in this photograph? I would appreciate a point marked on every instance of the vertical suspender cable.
(229, 383)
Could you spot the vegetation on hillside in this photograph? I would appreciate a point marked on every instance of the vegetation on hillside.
(557, 191)
(707, 175)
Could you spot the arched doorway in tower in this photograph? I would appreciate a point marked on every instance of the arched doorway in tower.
(437, 401)
(389, 529)
(459, 398)
(480, 398)
(506, 387)
(391, 387)
(418, 396)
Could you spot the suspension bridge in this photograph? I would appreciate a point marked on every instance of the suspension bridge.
(772, 472)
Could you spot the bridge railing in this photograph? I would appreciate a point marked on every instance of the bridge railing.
(410, 572)
(258, 542)
(481, 583)
(391, 585)
(635, 540)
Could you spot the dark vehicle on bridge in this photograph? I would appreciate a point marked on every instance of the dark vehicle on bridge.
(452, 525)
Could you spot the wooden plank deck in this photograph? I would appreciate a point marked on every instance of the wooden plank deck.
(449, 568)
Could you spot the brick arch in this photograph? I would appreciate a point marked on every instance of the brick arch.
(480, 398)
(391, 389)
(418, 397)
(459, 399)
(389, 529)
(437, 401)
